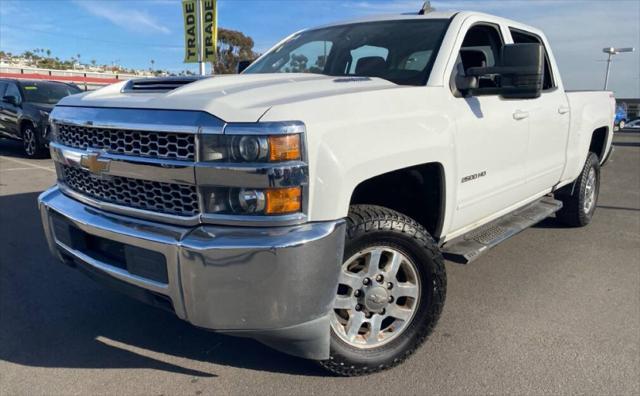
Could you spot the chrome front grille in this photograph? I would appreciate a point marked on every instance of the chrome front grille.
(164, 145)
(143, 163)
(168, 198)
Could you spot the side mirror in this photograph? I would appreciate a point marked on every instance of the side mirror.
(10, 99)
(520, 73)
(243, 64)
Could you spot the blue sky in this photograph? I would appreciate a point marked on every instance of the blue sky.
(134, 32)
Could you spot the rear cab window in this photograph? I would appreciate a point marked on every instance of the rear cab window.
(519, 37)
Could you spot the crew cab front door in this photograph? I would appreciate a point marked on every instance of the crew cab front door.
(491, 137)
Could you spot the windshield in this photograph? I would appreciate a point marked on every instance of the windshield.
(46, 92)
(400, 51)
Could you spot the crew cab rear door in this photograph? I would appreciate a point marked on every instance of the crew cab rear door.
(491, 136)
(549, 117)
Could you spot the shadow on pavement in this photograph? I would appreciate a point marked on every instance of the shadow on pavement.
(626, 144)
(549, 222)
(11, 148)
(618, 208)
(53, 316)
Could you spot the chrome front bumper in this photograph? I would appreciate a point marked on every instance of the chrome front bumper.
(274, 284)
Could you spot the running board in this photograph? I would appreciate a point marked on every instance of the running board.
(472, 245)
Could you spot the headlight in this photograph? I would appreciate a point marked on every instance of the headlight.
(269, 161)
(241, 201)
(44, 114)
(250, 148)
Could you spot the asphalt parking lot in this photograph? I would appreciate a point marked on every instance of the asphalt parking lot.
(551, 311)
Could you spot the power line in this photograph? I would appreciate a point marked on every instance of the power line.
(67, 35)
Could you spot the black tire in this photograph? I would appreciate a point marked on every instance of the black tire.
(574, 196)
(368, 226)
(32, 142)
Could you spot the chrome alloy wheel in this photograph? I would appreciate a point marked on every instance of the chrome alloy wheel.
(378, 295)
(590, 191)
(29, 141)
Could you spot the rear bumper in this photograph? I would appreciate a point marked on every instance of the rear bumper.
(273, 284)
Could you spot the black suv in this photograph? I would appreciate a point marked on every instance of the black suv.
(24, 111)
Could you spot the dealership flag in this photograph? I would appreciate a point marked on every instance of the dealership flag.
(210, 29)
(191, 42)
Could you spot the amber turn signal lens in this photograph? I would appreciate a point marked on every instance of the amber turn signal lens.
(284, 148)
(283, 200)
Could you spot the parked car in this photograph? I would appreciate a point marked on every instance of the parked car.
(635, 124)
(310, 201)
(25, 108)
(621, 116)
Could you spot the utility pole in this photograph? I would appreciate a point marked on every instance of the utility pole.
(611, 51)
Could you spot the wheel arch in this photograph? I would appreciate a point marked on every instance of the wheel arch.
(598, 143)
(23, 122)
(418, 191)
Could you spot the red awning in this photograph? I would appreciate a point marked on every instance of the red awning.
(75, 79)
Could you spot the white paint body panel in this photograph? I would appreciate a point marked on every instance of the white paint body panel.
(359, 129)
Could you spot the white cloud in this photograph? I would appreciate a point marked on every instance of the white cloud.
(121, 15)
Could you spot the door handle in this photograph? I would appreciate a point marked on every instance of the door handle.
(520, 115)
(564, 109)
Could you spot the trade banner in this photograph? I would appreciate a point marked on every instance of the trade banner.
(190, 14)
(210, 29)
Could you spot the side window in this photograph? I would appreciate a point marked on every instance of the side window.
(12, 90)
(481, 47)
(523, 37)
(308, 58)
(366, 59)
(3, 85)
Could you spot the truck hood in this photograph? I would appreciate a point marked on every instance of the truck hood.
(233, 98)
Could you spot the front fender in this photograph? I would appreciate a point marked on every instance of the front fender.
(354, 137)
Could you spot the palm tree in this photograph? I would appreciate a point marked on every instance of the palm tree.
(152, 63)
(48, 53)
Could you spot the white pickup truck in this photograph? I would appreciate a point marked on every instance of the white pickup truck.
(310, 201)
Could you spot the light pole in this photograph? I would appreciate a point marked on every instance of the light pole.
(613, 51)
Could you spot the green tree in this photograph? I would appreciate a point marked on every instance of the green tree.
(233, 46)
(298, 63)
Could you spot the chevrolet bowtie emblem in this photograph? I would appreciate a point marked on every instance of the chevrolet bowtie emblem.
(94, 164)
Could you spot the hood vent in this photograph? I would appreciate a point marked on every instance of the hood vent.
(164, 84)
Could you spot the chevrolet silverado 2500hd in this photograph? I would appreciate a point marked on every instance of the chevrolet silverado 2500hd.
(309, 201)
